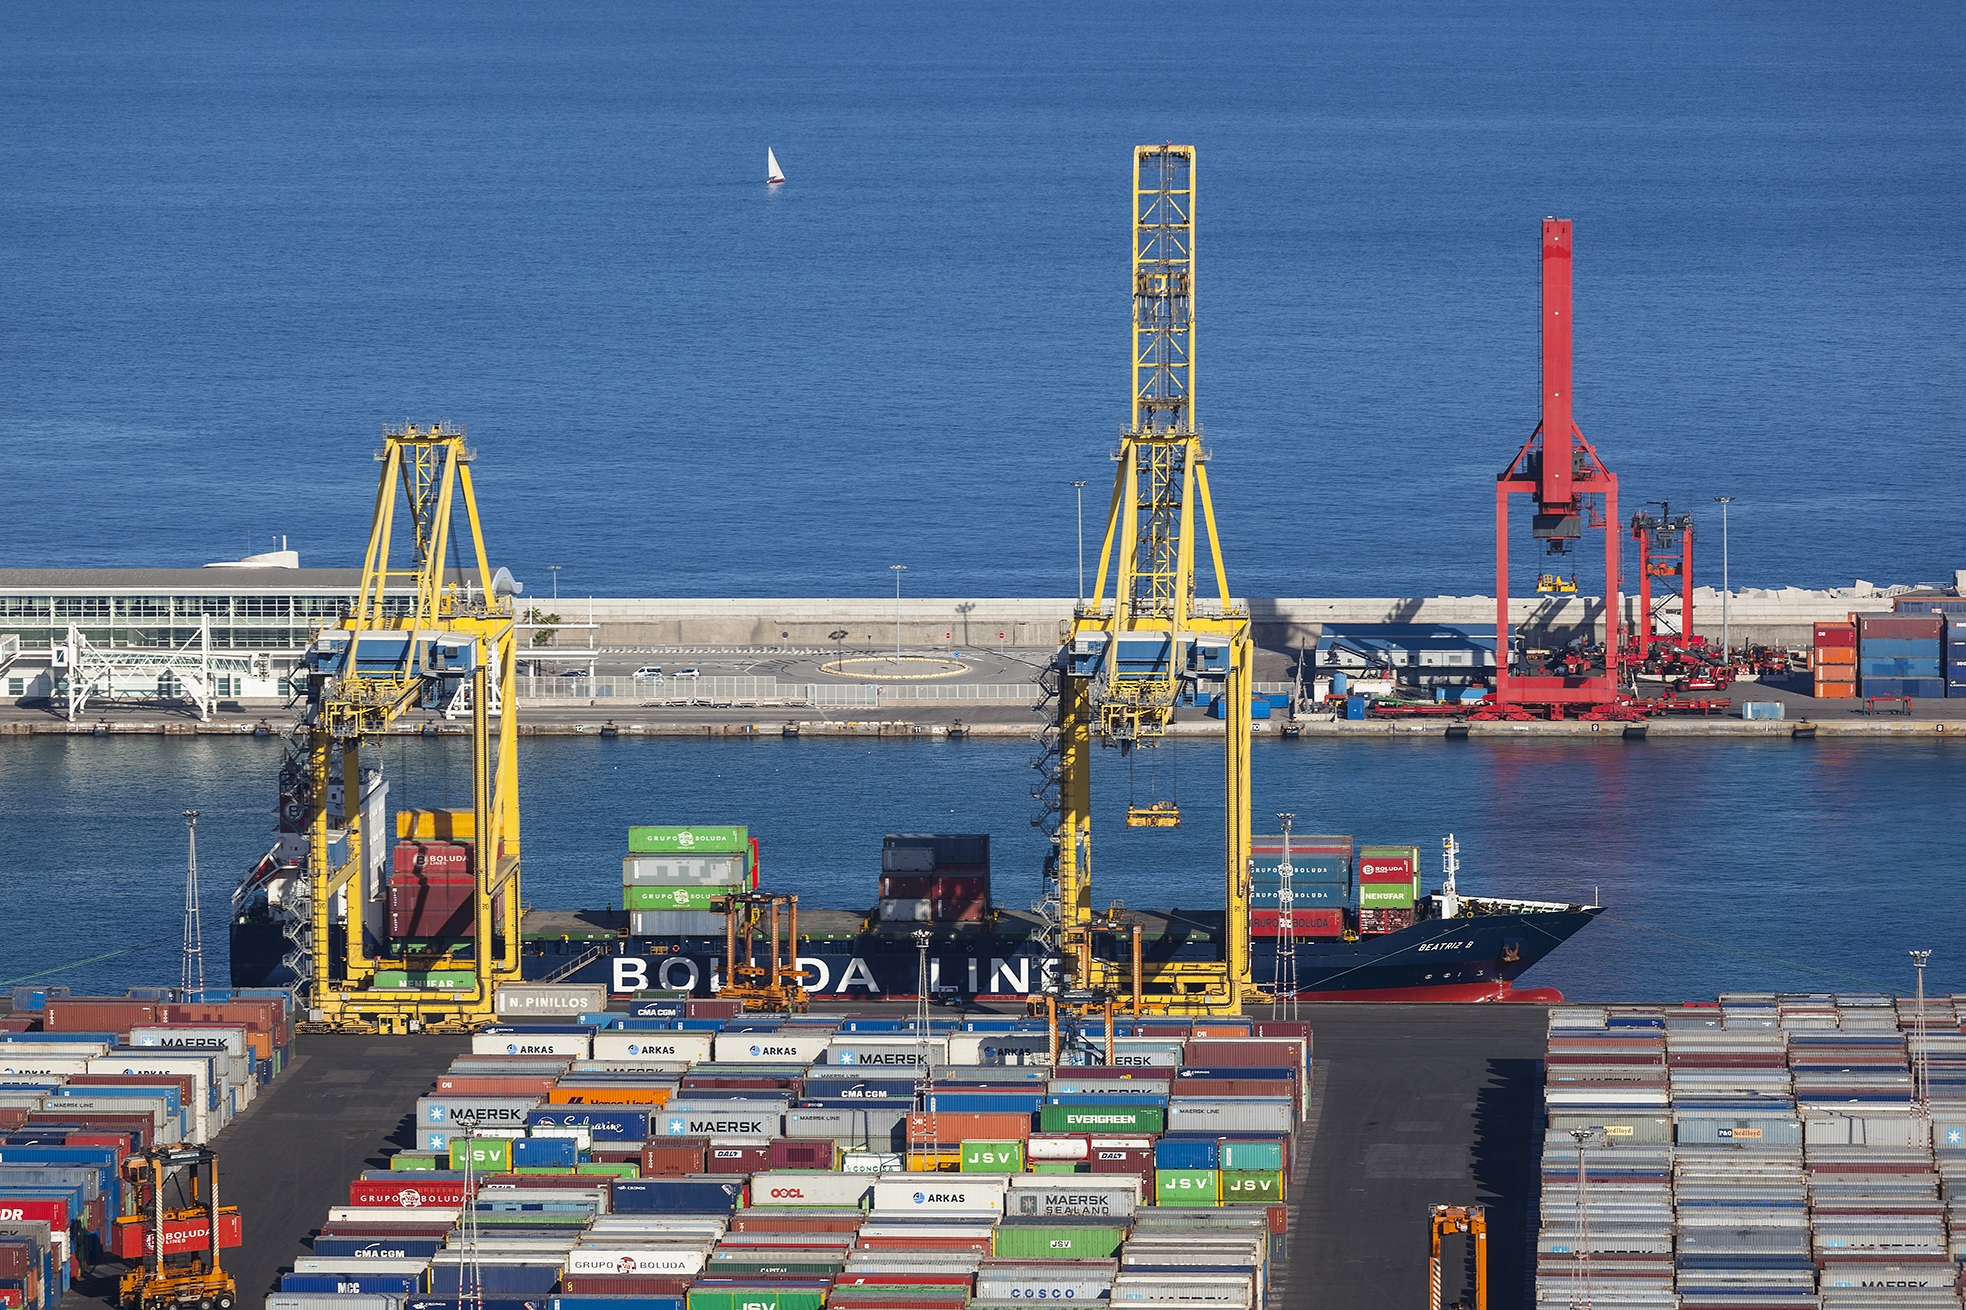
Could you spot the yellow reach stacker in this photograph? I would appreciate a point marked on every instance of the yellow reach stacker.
(1126, 661)
(175, 1251)
(420, 636)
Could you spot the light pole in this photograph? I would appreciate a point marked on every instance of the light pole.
(1079, 487)
(1725, 501)
(554, 569)
(899, 569)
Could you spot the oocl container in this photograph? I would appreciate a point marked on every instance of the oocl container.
(809, 1188)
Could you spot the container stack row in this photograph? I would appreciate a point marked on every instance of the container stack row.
(688, 1158)
(1801, 1173)
(672, 876)
(86, 1082)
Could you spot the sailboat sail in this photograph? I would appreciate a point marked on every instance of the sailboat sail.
(773, 173)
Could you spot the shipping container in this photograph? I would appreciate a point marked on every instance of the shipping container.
(690, 897)
(554, 999)
(1322, 923)
(1050, 1239)
(706, 870)
(1187, 1187)
(810, 1188)
(691, 840)
(696, 1195)
(1388, 864)
(676, 924)
(1112, 1116)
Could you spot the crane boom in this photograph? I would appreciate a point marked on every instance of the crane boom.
(1126, 661)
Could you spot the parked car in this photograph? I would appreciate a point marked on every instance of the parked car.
(687, 673)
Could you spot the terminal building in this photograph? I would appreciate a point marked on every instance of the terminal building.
(232, 632)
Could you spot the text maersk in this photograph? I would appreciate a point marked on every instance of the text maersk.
(713, 1127)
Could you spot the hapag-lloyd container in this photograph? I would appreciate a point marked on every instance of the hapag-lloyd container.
(940, 1194)
(798, 1187)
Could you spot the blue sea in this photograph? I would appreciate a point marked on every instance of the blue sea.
(1725, 865)
(238, 238)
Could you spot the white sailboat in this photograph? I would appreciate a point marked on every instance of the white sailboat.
(773, 173)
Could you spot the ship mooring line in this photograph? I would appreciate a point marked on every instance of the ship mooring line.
(1750, 955)
(76, 964)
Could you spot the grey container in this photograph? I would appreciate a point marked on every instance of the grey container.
(877, 1128)
(675, 923)
(1619, 1124)
(1190, 1114)
(682, 870)
(332, 1301)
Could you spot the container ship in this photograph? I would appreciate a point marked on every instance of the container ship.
(1360, 928)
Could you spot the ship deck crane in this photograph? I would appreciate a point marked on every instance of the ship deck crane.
(1572, 490)
(386, 659)
(1125, 661)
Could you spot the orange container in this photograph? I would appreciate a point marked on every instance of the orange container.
(652, 1097)
(950, 1128)
(1836, 690)
(1836, 656)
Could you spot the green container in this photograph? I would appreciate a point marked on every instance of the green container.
(1187, 1187)
(1385, 895)
(611, 1169)
(488, 1155)
(1116, 1117)
(398, 980)
(1267, 1156)
(652, 897)
(1056, 1241)
(542, 1169)
(757, 1298)
(1061, 1167)
(708, 839)
(1263, 1186)
(993, 1157)
(416, 1160)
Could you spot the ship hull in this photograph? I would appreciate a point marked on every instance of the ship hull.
(1436, 960)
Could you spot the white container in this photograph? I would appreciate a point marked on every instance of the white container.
(431, 1215)
(1060, 1195)
(1202, 1114)
(806, 1187)
(682, 870)
(660, 1047)
(567, 1000)
(1057, 1148)
(1157, 1052)
(940, 1193)
(577, 1045)
(799, 1047)
(871, 1162)
(671, 1261)
(885, 1052)
(230, 1040)
(910, 910)
(332, 1301)
(356, 1265)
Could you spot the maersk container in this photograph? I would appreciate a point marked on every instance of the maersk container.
(1105, 1196)
(1190, 1114)
(698, 1195)
(728, 1119)
(885, 1052)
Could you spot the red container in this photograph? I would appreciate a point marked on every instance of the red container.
(87, 1015)
(407, 1194)
(143, 1125)
(1249, 1053)
(479, 1085)
(393, 1228)
(754, 1221)
(1304, 923)
(1385, 869)
(896, 1279)
(960, 886)
(34, 1209)
(966, 909)
(435, 905)
(672, 1159)
(795, 1153)
(914, 1242)
(430, 857)
(623, 1285)
(907, 886)
(1836, 634)
(950, 1128)
(261, 1016)
(1887, 627)
(134, 1238)
(19, 1023)
(736, 1158)
(712, 1009)
(1282, 1028)
(617, 1154)
(493, 1182)
(741, 1082)
(1236, 1087)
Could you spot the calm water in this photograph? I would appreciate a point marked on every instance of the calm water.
(1726, 866)
(237, 238)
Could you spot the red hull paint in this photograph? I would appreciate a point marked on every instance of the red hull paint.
(1453, 993)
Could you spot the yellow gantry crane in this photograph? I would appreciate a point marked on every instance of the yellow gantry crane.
(1126, 661)
(450, 635)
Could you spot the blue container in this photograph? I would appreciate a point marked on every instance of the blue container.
(384, 1284)
(985, 1102)
(1187, 1153)
(1279, 700)
(1103, 1098)
(1355, 707)
(1898, 647)
(1303, 895)
(536, 1152)
(604, 1125)
(1259, 708)
(1913, 687)
(669, 1009)
(1216, 710)
(522, 1280)
(378, 1248)
(676, 1195)
(1066, 1088)
(1898, 667)
(1257, 1074)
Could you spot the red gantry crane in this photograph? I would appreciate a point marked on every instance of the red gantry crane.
(1572, 491)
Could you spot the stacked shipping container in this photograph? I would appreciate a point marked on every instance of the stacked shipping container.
(1320, 885)
(1835, 661)
(671, 877)
(1901, 654)
(934, 877)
